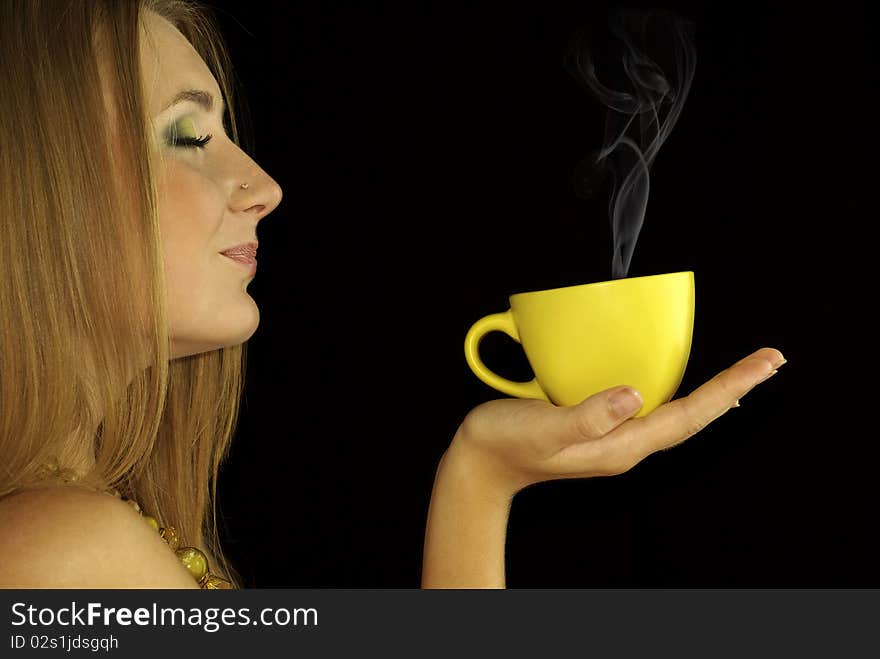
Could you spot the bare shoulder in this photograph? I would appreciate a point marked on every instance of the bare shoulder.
(67, 537)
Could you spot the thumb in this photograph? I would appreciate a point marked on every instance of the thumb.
(603, 412)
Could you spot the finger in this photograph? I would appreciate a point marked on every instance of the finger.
(547, 428)
(598, 415)
(772, 355)
(676, 421)
(601, 413)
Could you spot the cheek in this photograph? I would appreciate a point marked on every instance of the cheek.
(190, 211)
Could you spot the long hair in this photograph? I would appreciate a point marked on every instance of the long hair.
(84, 344)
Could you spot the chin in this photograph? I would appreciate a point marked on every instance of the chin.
(186, 347)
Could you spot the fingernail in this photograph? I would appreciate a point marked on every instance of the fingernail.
(625, 401)
(735, 404)
(780, 363)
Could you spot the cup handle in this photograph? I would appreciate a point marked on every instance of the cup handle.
(497, 322)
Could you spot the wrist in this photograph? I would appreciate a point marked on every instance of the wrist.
(467, 524)
(480, 474)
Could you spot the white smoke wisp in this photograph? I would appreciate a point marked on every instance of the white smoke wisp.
(654, 98)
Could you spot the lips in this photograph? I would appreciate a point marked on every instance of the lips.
(247, 250)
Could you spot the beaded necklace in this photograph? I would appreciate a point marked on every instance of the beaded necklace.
(193, 559)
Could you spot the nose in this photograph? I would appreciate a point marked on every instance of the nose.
(261, 195)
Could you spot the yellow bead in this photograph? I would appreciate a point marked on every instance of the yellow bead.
(194, 561)
(213, 582)
(152, 522)
(169, 535)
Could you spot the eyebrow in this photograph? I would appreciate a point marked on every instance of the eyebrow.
(199, 96)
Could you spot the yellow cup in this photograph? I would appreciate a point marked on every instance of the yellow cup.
(581, 340)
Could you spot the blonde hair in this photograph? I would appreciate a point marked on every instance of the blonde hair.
(84, 344)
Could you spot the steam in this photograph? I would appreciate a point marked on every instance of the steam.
(650, 93)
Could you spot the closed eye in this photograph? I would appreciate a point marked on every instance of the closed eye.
(192, 142)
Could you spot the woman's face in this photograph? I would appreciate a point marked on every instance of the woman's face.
(202, 207)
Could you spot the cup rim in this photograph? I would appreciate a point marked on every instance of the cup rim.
(602, 283)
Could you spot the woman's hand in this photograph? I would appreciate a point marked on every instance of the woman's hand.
(505, 445)
(517, 442)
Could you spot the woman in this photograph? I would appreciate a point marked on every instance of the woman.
(121, 377)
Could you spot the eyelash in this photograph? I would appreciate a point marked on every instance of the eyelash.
(193, 142)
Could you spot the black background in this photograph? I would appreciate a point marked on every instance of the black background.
(426, 150)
